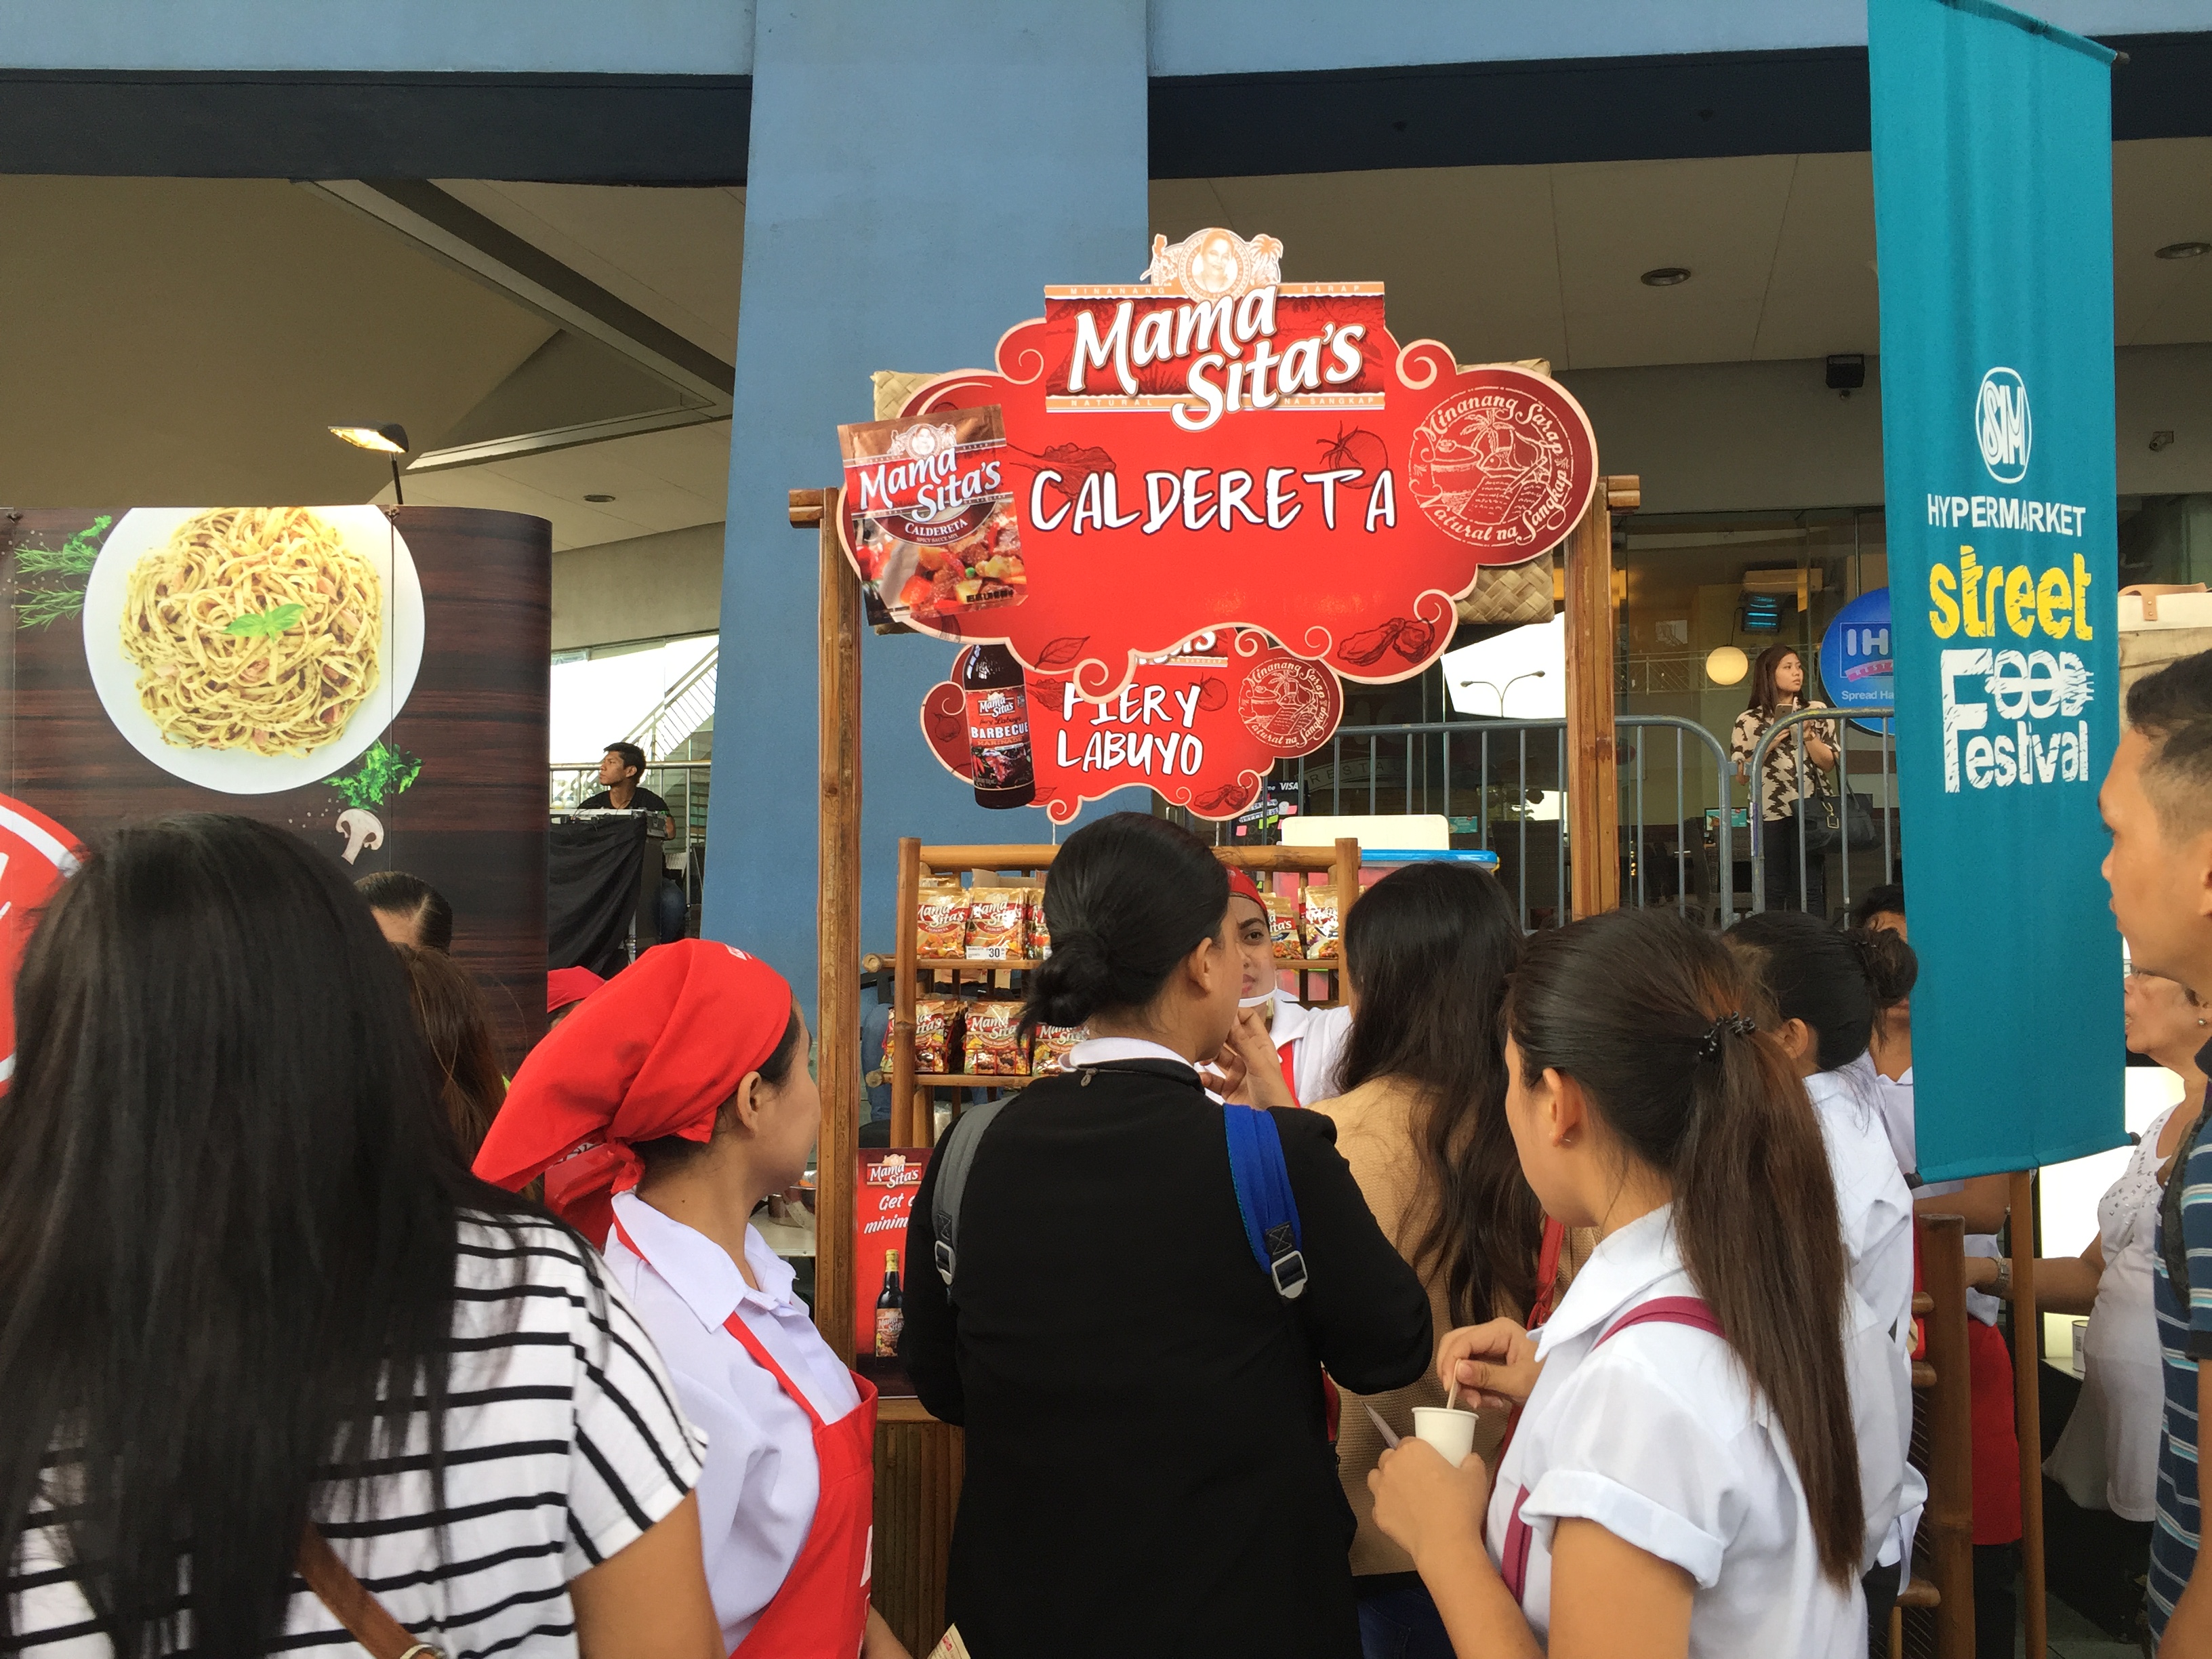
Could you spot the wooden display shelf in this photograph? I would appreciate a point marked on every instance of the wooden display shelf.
(911, 1119)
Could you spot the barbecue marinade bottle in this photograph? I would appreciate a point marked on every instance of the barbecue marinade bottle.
(998, 726)
(891, 1310)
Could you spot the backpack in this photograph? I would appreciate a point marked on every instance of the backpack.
(1256, 1169)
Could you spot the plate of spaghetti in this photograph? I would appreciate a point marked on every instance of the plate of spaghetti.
(253, 649)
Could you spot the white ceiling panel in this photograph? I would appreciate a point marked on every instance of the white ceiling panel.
(674, 253)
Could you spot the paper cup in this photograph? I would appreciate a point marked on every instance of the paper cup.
(1451, 1432)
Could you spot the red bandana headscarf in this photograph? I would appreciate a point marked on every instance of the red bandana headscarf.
(1241, 885)
(654, 1051)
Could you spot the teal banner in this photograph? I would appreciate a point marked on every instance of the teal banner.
(1993, 222)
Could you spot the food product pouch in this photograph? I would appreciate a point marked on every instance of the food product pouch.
(998, 923)
(1283, 927)
(1319, 905)
(1049, 1045)
(941, 917)
(937, 1034)
(993, 1045)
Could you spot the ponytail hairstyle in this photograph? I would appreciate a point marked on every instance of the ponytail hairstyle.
(1835, 982)
(1128, 898)
(1431, 947)
(1642, 1010)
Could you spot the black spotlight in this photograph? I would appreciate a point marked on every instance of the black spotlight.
(1846, 371)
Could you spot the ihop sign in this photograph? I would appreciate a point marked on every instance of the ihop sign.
(1856, 665)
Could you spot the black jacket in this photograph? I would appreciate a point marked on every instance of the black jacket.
(1148, 1463)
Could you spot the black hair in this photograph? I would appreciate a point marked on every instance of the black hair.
(229, 1220)
(2174, 709)
(398, 893)
(631, 756)
(1431, 947)
(666, 1152)
(1640, 1008)
(1128, 898)
(1835, 982)
(1765, 695)
(1886, 900)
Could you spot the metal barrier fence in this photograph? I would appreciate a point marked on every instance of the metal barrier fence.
(1857, 810)
(1503, 785)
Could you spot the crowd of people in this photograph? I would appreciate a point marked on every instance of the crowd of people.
(314, 1325)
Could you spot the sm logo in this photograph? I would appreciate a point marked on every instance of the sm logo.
(2002, 426)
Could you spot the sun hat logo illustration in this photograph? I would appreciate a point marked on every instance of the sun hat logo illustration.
(2003, 425)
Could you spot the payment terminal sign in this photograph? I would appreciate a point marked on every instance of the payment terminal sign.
(1856, 666)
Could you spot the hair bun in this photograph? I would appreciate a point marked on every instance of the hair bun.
(1071, 984)
(1891, 968)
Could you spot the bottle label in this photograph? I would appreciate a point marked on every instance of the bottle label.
(998, 737)
(889, 1322)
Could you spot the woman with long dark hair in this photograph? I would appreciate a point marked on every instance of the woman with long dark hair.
(1427, 952)
(1683, 1480)
(1777, 688)
(1148, 1460)
(256, 1316)
(408, 909)
(456, 1025)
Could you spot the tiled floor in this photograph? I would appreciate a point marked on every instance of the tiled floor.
(2073, 1636)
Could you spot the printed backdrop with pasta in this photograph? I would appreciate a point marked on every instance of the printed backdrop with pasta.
(372, 680)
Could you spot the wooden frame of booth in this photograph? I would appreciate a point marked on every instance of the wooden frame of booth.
(919, 1459)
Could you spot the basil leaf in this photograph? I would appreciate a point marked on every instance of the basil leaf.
(267, 624)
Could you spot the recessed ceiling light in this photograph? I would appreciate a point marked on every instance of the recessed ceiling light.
(2184, 250)
(598, 498)
(1666, 276)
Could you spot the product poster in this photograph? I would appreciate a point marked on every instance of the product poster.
(889, 1180)
(372, 681)
(1201, 728)
(1993, 215)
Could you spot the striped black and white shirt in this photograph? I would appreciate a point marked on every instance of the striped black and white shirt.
(563, 1444)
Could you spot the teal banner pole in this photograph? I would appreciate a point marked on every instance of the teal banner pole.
(1993, 222)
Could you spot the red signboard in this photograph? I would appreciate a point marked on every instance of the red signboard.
(1213, 447)
(1201, 728)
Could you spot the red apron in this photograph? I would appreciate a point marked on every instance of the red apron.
(1286, 1054)
(821, 1611)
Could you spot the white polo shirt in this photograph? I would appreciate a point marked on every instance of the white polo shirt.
(758, 1489)
(1657, 1437)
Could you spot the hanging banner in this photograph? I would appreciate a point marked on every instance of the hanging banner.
(1992, 170)
(1201, 728)
(1207, 448)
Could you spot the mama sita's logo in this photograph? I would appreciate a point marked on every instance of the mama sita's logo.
(2003, 425)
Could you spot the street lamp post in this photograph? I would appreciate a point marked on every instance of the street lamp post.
(1533, 674)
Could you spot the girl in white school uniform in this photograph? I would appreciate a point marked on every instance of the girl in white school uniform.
(1683, 1479)
(661, 1115)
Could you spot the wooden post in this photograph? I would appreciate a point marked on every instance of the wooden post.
(837, 924)
(1950, 1519)
(1592, 786)
(2027, 1402)
(910, 890)
(1344, 877)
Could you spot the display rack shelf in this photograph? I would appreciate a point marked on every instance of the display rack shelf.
(912, 1117)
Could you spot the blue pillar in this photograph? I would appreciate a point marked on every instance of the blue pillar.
(919, 169)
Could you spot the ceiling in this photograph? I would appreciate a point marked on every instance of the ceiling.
(188, 340)
(1512, 262)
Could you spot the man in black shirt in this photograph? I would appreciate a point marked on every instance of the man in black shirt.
(620, 769)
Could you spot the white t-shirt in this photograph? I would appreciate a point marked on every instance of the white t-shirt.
(563, 1444)
(1657, 1437)
(757, 1491)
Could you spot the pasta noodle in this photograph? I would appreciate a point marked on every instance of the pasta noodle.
(255, 628)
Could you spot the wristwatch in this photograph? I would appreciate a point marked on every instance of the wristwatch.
(2003, 1286)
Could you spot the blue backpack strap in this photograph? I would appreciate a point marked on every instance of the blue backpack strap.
(1263, 1197)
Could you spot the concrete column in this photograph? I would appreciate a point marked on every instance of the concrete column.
(919, 169)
